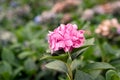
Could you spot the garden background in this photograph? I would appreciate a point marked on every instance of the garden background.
(24, 48)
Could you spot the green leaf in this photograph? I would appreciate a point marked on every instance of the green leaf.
(116, 64)
(57, 65)
(94, 73)
(8, 56)
(77, 53)
(17, 71)
(90, 54)
(37, 42)
(119, 74)
(112, 75)
(30, 66)
(5, 70)
(100, 78)
(108, 49)
(98, 66)
(79, 75)
(89, 42)
(62, 57)
(75, 64)
(25, 54)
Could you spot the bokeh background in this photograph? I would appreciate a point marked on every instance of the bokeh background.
(24, 25)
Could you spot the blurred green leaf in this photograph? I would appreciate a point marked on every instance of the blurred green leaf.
(108, 49)
(25, 54)
(37, 42)
(98, 66)
(79, 75)
(5, 70)
(75, 64)
(112, 75)
(77, 53)
(57, 65)
(119, 74)
(7, 55)
(17, 71)
(100, 78)
(89, 42)
(62, 57)
(90, 53)
(30, 66)
(94, 73)
(116, 64)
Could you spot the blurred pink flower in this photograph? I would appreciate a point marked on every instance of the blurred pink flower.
(66, 37)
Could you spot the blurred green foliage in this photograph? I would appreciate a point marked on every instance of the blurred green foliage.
(21, 57)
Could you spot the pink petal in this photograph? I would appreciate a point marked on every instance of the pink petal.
(68, 43)
(61, 44)
(75, 26)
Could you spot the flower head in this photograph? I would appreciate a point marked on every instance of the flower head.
(108, 28)
(66, 37)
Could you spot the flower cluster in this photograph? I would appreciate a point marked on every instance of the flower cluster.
(65, 5)
(107, 8)
(61, 6)
(105, 28)
(66, 37)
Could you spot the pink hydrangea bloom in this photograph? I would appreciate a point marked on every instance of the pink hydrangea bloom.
(66, 37)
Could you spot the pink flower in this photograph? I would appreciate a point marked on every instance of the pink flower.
(66, 37)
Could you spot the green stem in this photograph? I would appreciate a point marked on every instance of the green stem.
(70, 58)
(69, 74)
